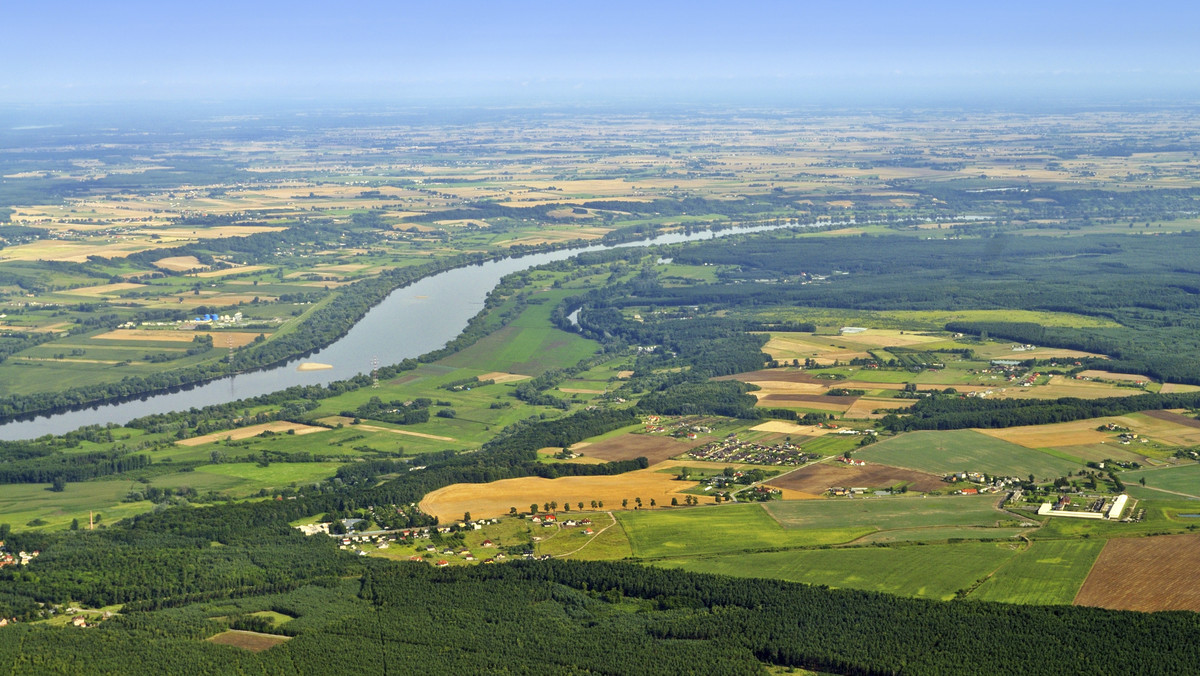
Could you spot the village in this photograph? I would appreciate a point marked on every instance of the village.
(732, 449)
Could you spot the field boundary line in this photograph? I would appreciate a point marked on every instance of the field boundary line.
(1091, 568)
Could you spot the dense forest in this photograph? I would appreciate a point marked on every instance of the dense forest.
(1147, 286)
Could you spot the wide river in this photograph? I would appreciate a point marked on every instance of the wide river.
(411, 321)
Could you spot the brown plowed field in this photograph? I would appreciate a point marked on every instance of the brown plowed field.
(654, 448)
(1171, 416)
(820, 477)
(806, 401)
(863, 408)
(844, 402)
(1147, 574)
(248, 640)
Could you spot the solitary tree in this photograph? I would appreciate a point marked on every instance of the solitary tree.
(624, 503)
(581, 504)
(533, 508)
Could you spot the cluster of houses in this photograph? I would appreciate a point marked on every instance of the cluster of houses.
(21, 558)
(839, 491)
(684, 429)
(762, 493)
(987, 484)
(551, 521)
(731, 449)
(85, 622)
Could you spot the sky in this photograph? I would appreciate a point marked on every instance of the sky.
(125, 50)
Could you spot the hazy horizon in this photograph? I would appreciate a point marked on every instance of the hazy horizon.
(529, 53)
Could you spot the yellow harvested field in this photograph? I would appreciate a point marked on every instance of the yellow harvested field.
(623, 375)
(190, 300)
(1170, 427)
(553, 237)
(783, 427)
(71, 251)
(789, 494)
(786, 387)
(495, 499)
(783, 400)
(1074, 433)
(796, 348)
(335, 419)
(346, 267)
(49, 328)
(103, 289)
(231, 271)
(179, 263)
(1059, 387)
(1106, 375)
(865, 408)
(1178, 388)
(74, 360)
(220, 338)
(215, 232)
(887, 338)
(279, 427)
(502, 377)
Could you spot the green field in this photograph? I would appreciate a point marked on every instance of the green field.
(1048, 572)
(889, 513)
(22, 503)
(963, 451)
(931, 571)
(529, 345)
(1183, 479)
(276, 475)
(720, 529)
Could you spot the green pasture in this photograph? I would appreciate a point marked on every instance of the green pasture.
(1184, 479)
(930, 571)
(22, 503)
(277, 475)
(941, 452)
(888, 513)
(1047, 572)
(942, 534)
(528, 350)
(720, 530)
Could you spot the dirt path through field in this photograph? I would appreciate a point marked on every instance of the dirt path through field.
(591, 539)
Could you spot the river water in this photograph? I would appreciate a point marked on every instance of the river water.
(411, 321)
